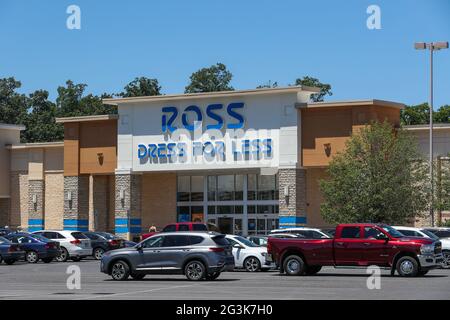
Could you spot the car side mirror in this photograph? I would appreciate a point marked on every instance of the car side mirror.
(382, 236)
(139, 247)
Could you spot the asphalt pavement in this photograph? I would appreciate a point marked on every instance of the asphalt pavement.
(49, 281)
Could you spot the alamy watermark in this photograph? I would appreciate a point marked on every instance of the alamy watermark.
(74, 279)
(373, 22)
(73, 21)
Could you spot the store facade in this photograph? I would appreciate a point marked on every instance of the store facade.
(248, 161)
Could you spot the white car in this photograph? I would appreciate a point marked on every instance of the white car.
(74, 244)
(249, 255)
(424, 233)
(303, 232)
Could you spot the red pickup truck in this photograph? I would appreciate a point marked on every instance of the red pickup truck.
(357, 245)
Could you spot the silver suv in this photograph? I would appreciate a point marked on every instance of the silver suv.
(197, 255)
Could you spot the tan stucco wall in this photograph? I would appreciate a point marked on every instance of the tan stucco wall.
(7, 136)
(54, 200)
(19, 199)
(159, 206)
(314, 197)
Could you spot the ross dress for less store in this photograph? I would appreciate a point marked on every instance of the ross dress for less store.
(248, 161)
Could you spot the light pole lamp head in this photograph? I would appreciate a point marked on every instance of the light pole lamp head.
(440, 45)
(420, 45)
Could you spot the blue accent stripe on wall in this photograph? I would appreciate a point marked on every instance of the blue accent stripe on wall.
(36, 222)
(291, 221)
(135, 229)
(121, 221)
(33, 228)
(135, 222)
(76, 222)
(121, 229)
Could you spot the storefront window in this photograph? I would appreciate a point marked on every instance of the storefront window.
(212, 188)
(239, 187)
(197, 188)
(197, 213)
(225, 209)
(266, 187)
(183, 188)
(211, 210)
(238, 226)
(225, 187)
(251, 187)
(184, 214)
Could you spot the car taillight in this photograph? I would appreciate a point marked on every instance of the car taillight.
(75, 242)
(269, 247)
(49, 246)
(114, 242)
(216, 249)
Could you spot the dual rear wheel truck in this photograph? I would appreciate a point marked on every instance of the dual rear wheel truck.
(357, 245)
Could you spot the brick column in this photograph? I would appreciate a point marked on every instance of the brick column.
(128, 205)
(293, 206)
(76, 203)
(36, 202)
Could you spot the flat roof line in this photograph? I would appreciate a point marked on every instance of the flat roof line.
(216, 94)
(7, 126)
(100, 117)
(350, 103)
(35, 145)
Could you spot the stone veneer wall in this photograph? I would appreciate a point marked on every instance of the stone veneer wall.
(76, 211)
(292, 208)
(19, 199)
(36, 210)
(54, 200)
(128, 208)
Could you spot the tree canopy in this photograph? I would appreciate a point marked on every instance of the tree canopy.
(380, 177)
(141, 86)
(215, 78)
(325, 88)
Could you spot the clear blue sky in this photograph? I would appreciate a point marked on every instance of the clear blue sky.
(259, 40)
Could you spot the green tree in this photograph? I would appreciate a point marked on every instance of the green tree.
(214, 78)
(269, 84)
(72, 102)
(13, 105)
(415, 114)
(141, 87)
(442, 115)
(41, 125)
(325, 88)
(380, 177)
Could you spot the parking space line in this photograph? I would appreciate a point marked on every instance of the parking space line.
(135, 292)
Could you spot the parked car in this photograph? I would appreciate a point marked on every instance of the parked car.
(259, 240)
(74, 245)
(102, 242)
(36, 247)
(179, 226)
(10, 252)
(304, 232)
(441, 232)
(197, 255)
(4, 231)
(330, 231)
(444, 236)
(249, 255)
(357, 245)
(285, 235)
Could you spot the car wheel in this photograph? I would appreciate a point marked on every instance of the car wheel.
(98, 253)
(47, 260)
(252, 264)
(294, 265)
(312, 270)
(446, 256)
(194, 270)
(31, 257)
(139, 276)
(9, 261)
(407, 267)
(63, 255)
(120, 271)
(212, 276)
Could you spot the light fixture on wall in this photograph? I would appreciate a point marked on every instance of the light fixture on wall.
(122, 197)
(34, 198)
(69, 195)
(286, 194)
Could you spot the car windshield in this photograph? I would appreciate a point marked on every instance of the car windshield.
(430, 234)
(392, 232)
(107, 235)
(4, 240)
(39, 237)
(246, 242)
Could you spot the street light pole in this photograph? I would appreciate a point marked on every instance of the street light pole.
(432, 46)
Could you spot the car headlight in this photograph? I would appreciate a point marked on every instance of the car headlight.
(427, 248)
(264, 254)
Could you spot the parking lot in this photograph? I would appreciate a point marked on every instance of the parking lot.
(48, 281)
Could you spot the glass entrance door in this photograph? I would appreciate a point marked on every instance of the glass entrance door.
(225, 225)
